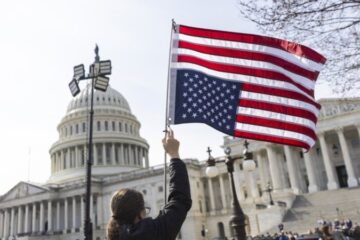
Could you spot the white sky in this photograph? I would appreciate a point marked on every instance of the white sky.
(41, 41)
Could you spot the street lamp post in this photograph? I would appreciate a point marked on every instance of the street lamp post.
(269, 190)
(238, 217)
(99, 81)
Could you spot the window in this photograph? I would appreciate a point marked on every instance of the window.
(98, 126)
(106, 126)
(126, 127)
(77, 128)
(120, 127)
(160, 189)
(113, 126)
(131, 129)
(65, 132)
(71, 130)
(83, 127)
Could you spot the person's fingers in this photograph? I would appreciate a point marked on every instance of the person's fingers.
(164, 140)
(170, 133)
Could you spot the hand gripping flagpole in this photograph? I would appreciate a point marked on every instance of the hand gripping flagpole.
(173, 29)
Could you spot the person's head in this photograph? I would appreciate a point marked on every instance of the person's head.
(128, 207)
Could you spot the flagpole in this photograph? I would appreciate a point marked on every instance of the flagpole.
(173, 29)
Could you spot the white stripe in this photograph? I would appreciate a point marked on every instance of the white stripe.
(295, 59)
(275, 132)
(306, 82)
(241, 78)
(280, 100)
(276, 116)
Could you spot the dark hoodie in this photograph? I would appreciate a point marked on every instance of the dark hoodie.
(167, 225)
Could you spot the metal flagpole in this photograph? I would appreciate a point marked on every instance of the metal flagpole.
(173, 29)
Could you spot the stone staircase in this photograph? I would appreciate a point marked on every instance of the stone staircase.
(307, 209)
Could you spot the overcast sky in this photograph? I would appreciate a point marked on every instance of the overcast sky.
(41, 41)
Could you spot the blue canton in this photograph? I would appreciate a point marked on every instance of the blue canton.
(204, 99)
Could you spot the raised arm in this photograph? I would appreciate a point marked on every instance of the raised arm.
(169, 222)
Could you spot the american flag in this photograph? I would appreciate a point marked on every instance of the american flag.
(244, 85)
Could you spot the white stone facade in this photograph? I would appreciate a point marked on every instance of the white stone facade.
(55, 210)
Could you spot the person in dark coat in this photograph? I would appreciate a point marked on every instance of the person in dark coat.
(129, 221)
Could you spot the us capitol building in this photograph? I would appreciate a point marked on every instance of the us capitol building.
(298, 182)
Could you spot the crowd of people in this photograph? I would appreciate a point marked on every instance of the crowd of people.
(326, 230)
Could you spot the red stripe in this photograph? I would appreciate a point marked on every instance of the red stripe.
(291, 47)
(257, 56)
(266, 122)
(278, 108)
(243, 70)
(273, 139)
(278, 92)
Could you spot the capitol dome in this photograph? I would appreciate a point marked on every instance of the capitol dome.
(110, 98)
(117, 144)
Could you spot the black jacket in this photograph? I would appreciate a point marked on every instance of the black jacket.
(167, 225)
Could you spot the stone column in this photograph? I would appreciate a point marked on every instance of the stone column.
(293, 174)
(95, 155)
(310, 170)
(131, 157)
(42, 215)
(352, 181)
(99, 209)
(58, 215)
(113, 155)
(26, 221)
(211, 193)
(92, 208)
(274, 169)
(82, 211)
(104, 153)
(146, 159)
(329, 165)
(62, 157)
(6, 224)
(222, 191)
(49, 216)
(20, 220)
(33, 218)
(66, 215)
(136, 159)
(253, 186)
(1, 223)
(68, 162)
(77, 162)
(12, 222)
(73, 214)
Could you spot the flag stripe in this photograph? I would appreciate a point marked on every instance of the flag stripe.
(268, 138)
(275, 124)
(249, 64)
(250, 55)
(278, 92)
(301, 61)
(278, 108)
(274, 132)
(286, 102)
(241, 70)
(288, 46)
(246, 79)
(276, 116)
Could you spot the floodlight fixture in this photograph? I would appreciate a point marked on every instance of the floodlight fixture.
(79, 72)
(101, 83)
(105, 67)
(74, 87)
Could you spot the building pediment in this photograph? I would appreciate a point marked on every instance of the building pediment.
(22, 189)
(338, 106)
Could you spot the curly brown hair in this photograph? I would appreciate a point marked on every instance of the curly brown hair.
(126, 204)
